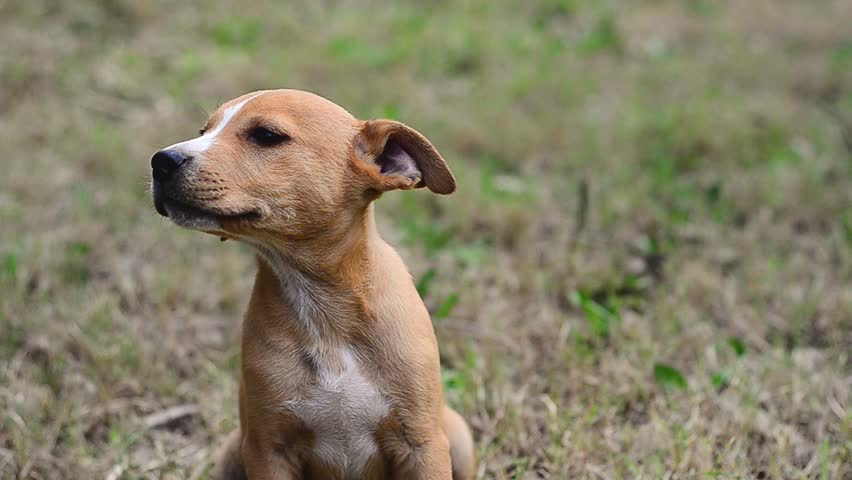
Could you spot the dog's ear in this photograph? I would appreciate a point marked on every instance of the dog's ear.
(395, 155)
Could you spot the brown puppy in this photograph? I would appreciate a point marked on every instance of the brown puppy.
(340, 370)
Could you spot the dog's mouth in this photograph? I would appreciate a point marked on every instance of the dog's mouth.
(197, 217)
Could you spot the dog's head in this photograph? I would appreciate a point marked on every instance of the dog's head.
(289, 165)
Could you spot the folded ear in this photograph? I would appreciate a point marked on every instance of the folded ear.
(397, 156)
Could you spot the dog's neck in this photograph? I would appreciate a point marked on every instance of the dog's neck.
(322, 289)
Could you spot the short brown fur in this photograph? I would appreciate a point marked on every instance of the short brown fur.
(326, 283)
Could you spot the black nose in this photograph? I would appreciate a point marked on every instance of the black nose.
(165, 163)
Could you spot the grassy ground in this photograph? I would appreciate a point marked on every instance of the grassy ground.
(645, 272)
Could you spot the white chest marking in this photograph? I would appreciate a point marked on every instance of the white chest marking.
(303, 295)
(343, 410)
(201, 144)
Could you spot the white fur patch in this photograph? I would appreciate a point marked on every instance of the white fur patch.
(343, 410)
(201, 144)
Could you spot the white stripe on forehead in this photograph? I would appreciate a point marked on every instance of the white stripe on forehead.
(202, 143)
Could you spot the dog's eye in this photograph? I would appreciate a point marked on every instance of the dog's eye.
(266, 137)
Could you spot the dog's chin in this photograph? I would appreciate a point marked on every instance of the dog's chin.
(191, 218)
(198, 218)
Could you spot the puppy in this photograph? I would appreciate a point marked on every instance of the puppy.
(340, 375)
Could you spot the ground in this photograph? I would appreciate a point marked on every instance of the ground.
(645, 272)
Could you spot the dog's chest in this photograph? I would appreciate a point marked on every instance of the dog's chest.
(343, 410)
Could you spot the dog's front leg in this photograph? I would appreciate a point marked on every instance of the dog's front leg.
(229, 464)
(266, 464)
(429, 461)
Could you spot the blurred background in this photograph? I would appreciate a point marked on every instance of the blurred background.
(645, 272)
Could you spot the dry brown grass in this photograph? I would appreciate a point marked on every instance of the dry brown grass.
(714, 139)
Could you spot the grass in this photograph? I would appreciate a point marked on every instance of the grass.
(645, 272)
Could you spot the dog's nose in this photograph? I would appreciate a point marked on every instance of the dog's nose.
(165, 163)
